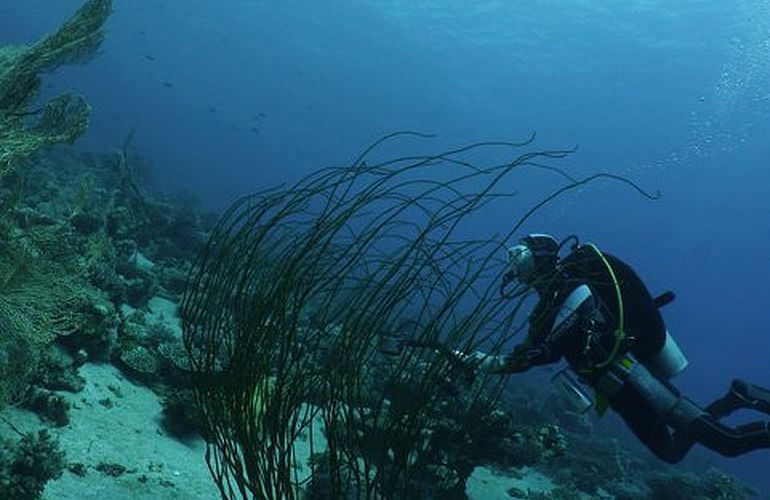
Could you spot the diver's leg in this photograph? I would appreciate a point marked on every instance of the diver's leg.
(667, 446)
(741, 395)
(730, 441)
(651, 406)
(647, 426)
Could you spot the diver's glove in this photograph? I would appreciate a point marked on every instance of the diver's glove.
(463, 363)
(477, 360)
(520, 360)
(501, 363)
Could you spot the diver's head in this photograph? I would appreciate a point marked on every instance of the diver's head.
(533, 260)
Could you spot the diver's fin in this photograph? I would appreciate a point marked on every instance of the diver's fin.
(752, 396)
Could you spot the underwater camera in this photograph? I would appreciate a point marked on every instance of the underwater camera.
(571, 390)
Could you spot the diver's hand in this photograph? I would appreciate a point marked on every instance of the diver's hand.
(467, 364)
(472, 360)
(481, 361)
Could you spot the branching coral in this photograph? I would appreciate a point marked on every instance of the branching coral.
(26, 467)
(41, 298)
(63, 118)
(43, 293)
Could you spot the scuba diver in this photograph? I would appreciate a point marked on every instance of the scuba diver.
(595, 312)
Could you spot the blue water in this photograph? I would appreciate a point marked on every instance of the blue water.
(230, 97)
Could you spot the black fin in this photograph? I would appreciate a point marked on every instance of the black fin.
(752, 396)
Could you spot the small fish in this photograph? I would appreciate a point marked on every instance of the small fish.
(168, 84)
(255, 130)
(149, 57)
(212, 109)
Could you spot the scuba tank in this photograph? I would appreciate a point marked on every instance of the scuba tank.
(630, 306)
(640, 334)
(669, 361)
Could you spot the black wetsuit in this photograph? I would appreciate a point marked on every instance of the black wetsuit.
(577, 319)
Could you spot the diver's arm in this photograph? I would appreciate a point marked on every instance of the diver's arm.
(578, 311)
(523, 357)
